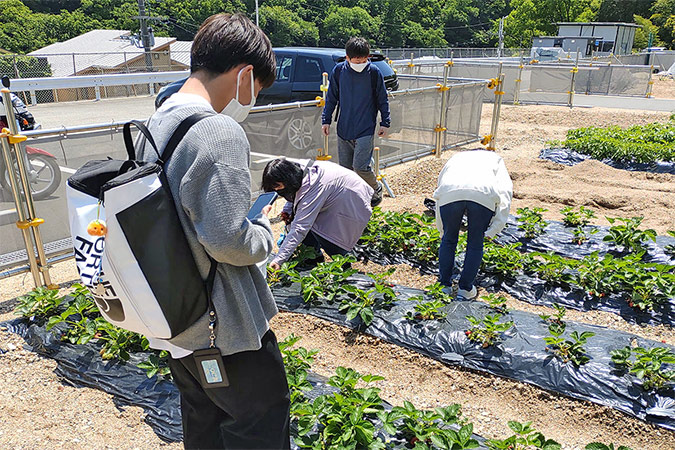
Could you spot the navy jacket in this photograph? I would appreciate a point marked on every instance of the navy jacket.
(360, 96)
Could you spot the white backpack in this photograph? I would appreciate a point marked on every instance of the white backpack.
(142, 271)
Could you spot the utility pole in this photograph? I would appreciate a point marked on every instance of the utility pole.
(256, 13)
(500, 49)
(145, 35)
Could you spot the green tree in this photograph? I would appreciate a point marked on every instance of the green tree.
(663, 16)
(642, 34)
(16, 66)
(530, 18)
(342, 23)
(285, 28)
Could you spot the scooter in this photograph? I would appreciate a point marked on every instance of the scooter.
(44, 173)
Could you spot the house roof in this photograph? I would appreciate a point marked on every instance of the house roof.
(623, 24)
(180, 52)
(110, 47)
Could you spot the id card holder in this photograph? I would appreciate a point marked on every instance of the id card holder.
(211, 368)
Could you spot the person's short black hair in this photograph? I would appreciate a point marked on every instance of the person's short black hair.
(357, 47)
(283, 171)
(225, 41)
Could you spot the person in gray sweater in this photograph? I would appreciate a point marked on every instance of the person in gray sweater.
(209, 176)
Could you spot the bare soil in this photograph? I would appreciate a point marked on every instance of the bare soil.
(663, 87)
(40, 410)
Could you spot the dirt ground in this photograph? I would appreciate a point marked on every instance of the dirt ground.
(663, 87)
(40, 410)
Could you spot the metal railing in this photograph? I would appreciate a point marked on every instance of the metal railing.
(427, 119)
(96, 82)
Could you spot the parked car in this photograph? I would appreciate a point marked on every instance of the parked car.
(299, 75)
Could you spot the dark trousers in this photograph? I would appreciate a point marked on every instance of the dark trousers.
(251, 413)
(479, 218)
(316, 241)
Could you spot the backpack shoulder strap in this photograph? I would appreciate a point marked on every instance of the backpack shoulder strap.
(180, 133)
(129, 141)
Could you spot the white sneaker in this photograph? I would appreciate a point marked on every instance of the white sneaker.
(468, 295)
(447, 290)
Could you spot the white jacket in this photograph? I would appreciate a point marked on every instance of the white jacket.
(479, 176)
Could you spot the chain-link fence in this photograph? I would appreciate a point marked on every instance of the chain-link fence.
(78, 64)
(455, 52)
(292, 130)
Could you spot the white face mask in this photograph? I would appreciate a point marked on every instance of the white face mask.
(358, 67)
(235, 109)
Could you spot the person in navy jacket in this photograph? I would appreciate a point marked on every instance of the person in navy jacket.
(357, 86)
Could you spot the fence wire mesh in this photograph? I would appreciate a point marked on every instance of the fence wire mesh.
(294, 133)
(547, 82)
(76, 64)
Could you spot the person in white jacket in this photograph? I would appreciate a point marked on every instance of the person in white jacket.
(475, 183)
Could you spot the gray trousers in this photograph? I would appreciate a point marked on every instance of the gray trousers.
(357, 155)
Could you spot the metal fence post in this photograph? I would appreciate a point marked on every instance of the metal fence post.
(574, 71)
(323, 152)
(497, 83)
(379, 174)
(440, 127)
(31, 221)
(650, 82)
(516, 94)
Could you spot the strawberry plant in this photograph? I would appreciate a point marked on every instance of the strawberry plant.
(419, 427)
(117, 342)
(567, 350)
(496, 302)
(426, 310)
(531, 221)
(649, 365)
(304, 253)
(391, 233)
(326, 280)
(648, 285)
(80, 318)
(359, 303)
(284, 276)
(382, 284)
(40, 303)
(297, 362)
(436, 291)
(550, 268)
(639, 143)
(601, 446)
(156, 364)
(556, 318)
(670, 248)
(628, 235)
(487, 331)
(504, 260)
(579, 217)
(343, 419)
(525, 438)
(597, 276)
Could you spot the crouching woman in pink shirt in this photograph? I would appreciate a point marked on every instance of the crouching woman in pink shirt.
(327, 205)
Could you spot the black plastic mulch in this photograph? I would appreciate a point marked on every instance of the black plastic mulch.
(521, 356)
(570, 158)
(82, 366)
(557, 239)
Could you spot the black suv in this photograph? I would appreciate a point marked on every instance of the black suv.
(299, 75)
